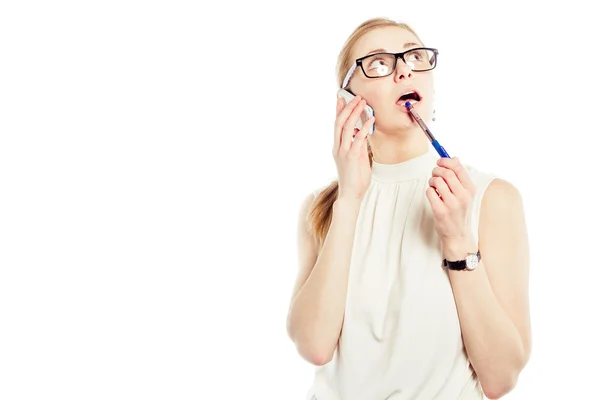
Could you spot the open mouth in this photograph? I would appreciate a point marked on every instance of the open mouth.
(412, 96)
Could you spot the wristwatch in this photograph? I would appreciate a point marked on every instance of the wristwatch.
(469, 263)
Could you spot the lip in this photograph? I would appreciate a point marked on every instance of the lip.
(401, 103)
(402, 107)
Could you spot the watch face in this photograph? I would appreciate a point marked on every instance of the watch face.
(472, 261)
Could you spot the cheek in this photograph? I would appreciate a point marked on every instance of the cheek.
(379, 98)
(372, 98)
(428, 93)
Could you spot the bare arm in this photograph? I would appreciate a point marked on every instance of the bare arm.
(318, 301)
(492, 300)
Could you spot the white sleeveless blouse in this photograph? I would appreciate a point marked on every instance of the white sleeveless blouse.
(401, 336)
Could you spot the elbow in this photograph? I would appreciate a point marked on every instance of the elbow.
(317, 358)
(499, 386)
(311, 343)
(502, 381)
(497, 392)
(317, 354)
(310, 349)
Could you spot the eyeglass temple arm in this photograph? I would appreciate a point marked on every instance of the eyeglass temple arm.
(349, 75)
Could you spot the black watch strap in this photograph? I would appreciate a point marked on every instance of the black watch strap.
(459, 265)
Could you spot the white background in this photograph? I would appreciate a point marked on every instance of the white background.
(153, 156)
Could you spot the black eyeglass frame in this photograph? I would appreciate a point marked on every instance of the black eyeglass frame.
(397, 56)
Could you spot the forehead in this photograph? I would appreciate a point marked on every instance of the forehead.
(390, 38)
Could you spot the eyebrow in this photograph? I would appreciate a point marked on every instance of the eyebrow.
(406, 45)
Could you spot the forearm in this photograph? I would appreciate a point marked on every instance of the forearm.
(492, 341)
(317, 312)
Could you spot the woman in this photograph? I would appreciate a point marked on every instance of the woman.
(413, 280)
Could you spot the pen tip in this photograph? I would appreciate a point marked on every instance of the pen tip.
(408, 105)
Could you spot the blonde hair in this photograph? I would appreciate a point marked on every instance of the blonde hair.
(321, 210)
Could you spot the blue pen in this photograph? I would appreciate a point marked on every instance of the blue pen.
(438, 147)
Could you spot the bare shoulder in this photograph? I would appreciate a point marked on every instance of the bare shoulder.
(306, 241)
(502, 213)
(306, 203)
(502, 194)
(501, 200)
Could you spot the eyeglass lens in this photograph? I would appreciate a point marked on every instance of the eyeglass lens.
(379, 65)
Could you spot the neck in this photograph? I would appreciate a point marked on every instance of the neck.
(394, 148)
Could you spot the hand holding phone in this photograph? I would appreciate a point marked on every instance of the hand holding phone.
(367, 113)
(351, 149)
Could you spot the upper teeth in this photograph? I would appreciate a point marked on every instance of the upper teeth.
(408, 93)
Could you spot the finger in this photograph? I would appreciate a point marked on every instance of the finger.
(350, 125)
(340, 120)
(439, 184)
(339, 106)
(436, 203)
(360, 137)
(459, 170)
(450, 177)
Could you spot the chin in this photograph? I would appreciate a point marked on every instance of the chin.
(396, 129)
(404, 124)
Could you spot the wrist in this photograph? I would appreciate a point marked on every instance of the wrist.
(346, 205)
(458, 248)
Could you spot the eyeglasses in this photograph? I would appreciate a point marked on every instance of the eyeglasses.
(380, 65)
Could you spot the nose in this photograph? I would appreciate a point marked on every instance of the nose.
(402, 70)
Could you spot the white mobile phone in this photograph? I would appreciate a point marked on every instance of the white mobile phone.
(367, 113)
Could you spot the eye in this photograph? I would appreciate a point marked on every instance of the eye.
(379, 64)
(416, 56)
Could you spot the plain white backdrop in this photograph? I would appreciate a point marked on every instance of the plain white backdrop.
(153, 156)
